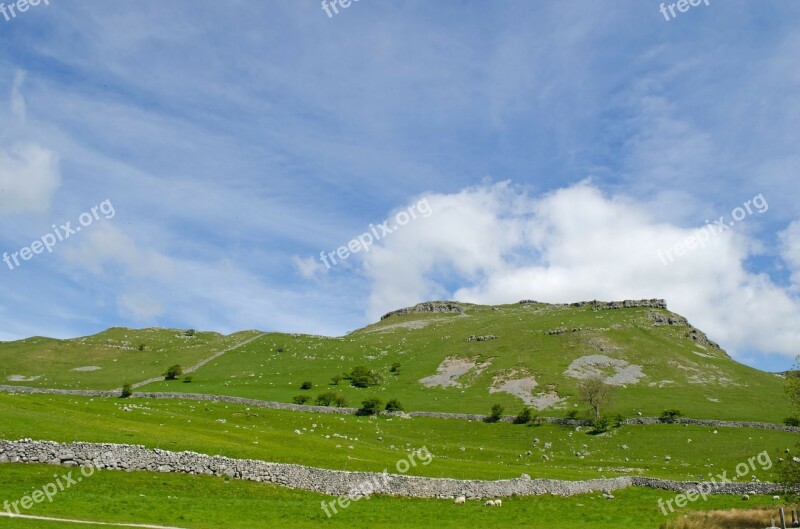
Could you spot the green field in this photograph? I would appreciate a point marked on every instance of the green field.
(491, 451)
(204, 502)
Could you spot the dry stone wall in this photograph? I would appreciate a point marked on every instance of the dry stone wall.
(331, 482)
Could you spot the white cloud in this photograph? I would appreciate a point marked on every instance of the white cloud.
(139, 307)
(499, 245)
(790, 250)
(29, 175)
(308, 267)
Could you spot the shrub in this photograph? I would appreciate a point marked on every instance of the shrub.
(173, 372)
(190, 332)
(618, 420)
(671, 415)
(601, 424)
(572, 414)
(524, 417)
(496, 414)
(188, 379)
(335, 380)
(279, 349)
(394, 405)
(301, 399)
(395, 368)
(127, 391)
(142, 347)
(371, 406)
(306, 385)
(326, 399)
(791, 421)
(363, 377)
(340, 401)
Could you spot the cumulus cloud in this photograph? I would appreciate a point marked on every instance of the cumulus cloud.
(29, 175)
(498, 244)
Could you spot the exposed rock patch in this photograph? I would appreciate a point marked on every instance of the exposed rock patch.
(486, 338)
(427, 307)
(616, 372)
(450, 371)
(87, 369)
(21, 378)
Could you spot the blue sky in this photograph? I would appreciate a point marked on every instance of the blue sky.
(559, 145)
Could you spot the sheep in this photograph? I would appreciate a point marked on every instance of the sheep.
(461, 500)
(489, 503)
(776, 498)
(498, 503)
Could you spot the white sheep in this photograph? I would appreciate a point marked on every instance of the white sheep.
(498, 503)
(460, 500)
(776, 498)
(489, 503)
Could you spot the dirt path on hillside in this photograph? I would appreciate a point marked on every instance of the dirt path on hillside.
(84, 522)
(202, 363)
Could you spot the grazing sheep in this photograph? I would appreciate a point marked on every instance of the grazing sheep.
(745, 497)
(776, 498)
(460, 500)
(498, 503)
(489, 503)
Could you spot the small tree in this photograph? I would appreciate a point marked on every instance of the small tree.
(594, 392)
(394, 405)
(301, 399)
(496, 414)
(671, 415)
(306, 385)
(127, 390)
(340, 401)
(326, 399)
(371, 406)
(190, 332)
(524, 417)
(335, 380)
(363, 377)
(173, 373)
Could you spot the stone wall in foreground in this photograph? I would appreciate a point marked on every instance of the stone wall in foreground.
(331, 482)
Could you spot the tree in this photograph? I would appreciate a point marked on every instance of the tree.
(173, 372)
(127, 390)
(326, 399)
(371, 406)
(340, 401)
(792, 385)
(363, 377)
(335, 380)
(594, 392)
(306, 385)
(496, 414)
(189, 332)
(301, 399)
(524, 417)
(394, 405)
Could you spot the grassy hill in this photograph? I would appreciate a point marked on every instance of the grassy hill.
(105, 360)
(656, 359)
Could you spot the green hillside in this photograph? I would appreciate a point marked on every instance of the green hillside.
(655, 358)
(105, 360)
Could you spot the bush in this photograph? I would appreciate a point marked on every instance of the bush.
(127, 391)
(394, 405)
(618, 420)
(301, 399)
(524, 417)
(572, 414)
(601, 424)
(496, 414)
(335, 380)
(187, 380)
(371, 406)
(190, 332)
(142, 347)
(173, 373)
(340, 401)
(279, 349)
(306, 385)
(363, 377)
(791, 421)
(671, 415)
(326, 399)
(395, 368)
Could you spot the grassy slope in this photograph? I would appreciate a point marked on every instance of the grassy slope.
(204, 502)
(491, 451)
(261, 370)
(115, 351)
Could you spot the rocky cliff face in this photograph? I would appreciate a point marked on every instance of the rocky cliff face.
(428, 306)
